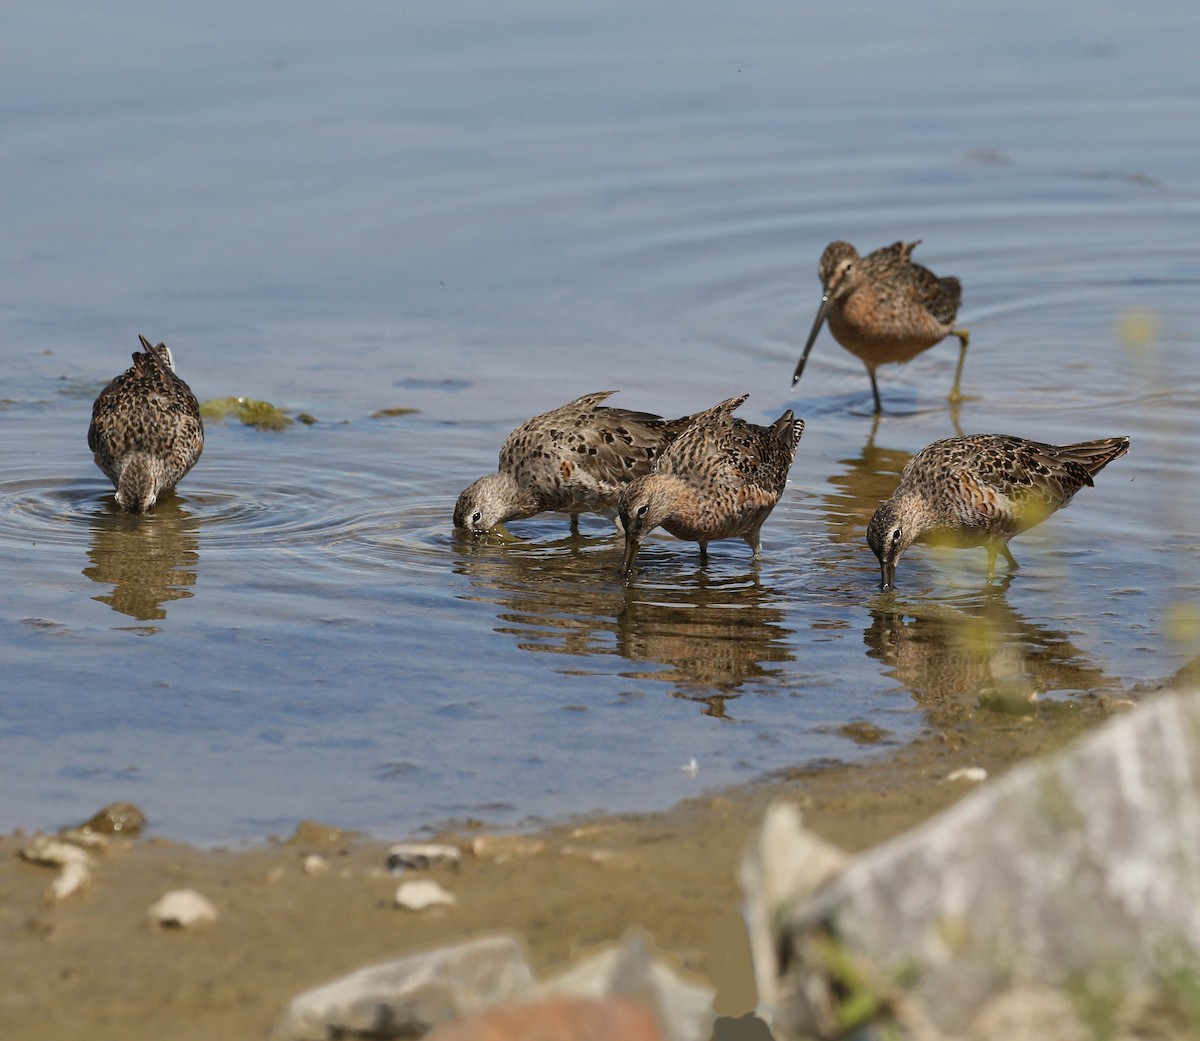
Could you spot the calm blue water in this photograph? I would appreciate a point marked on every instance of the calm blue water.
(481, 211)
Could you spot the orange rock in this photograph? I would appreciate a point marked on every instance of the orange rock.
(560, 1019)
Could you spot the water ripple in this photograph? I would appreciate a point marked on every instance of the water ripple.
(372, 523)
(47, 511)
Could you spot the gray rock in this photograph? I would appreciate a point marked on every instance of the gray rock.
(1081, 870)
(410, 995)
(682, 1004)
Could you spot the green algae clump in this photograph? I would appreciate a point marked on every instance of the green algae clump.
(260, 414)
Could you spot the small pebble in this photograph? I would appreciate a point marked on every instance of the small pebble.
(117, 818)
(421, 856)
(314, 833)
(315, 864)
(506, 846)
(423, 893)
(183, 909)
(598, 855)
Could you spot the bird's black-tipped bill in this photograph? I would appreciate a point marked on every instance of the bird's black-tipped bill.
(822, 312)
(631, 549)
(887, 578)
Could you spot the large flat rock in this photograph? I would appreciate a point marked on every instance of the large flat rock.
(1081, 870)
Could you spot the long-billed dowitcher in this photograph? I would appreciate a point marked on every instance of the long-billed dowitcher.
(885, 308)
(982, 490)
(146, 431)
(574, 459)
(719, 479)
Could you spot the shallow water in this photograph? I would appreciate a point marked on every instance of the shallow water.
(481, 213)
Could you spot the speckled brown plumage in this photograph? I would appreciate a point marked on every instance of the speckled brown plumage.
(146, 431)
(719, 479)
(885, 308)
(574, 459)
(981, 491)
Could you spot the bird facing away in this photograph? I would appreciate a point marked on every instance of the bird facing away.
(146, 431)
(719, 479)
(574, 459)
(982, 490)
(884, 308)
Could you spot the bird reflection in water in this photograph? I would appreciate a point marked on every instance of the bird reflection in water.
(977, 653)
(871, 477)
(149, 561)
(709, 636)
(713, 636)
(556, 597)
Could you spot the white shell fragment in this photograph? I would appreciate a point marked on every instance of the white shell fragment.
(76, 864)
(54, 852)
(183, 909)
(421, 856)
(423, 893)
(73, 877)
(968, 773)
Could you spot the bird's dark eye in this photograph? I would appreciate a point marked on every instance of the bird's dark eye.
(642, 510)
(896, 535)
(476, 517)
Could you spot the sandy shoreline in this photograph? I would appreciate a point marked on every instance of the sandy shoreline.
(94, 966)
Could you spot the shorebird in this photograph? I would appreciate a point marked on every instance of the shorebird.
(574, 459)
(982, 490)
(884, 308)
(719, 479)
(146, 431)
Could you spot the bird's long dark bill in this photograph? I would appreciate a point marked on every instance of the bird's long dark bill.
(822, 311)
(631, 549)
(887, 581)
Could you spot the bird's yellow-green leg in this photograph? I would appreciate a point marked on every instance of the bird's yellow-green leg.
(994, 548)
(1012, 561)
(963, 338)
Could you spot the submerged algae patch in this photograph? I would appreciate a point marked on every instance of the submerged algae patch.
(385, 413)
(260, 414)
